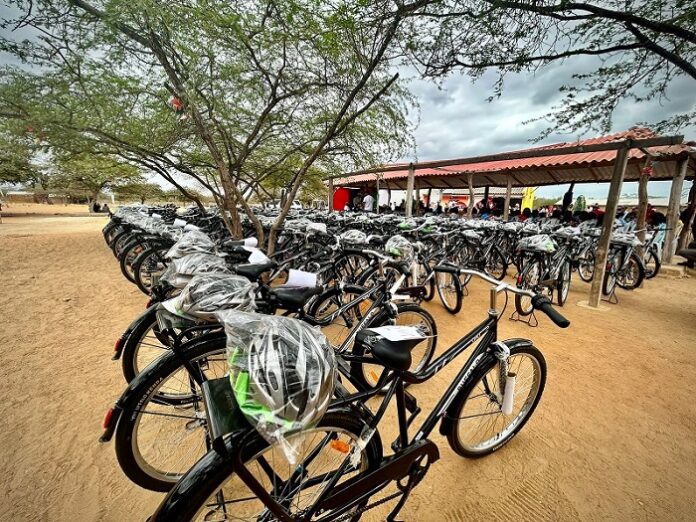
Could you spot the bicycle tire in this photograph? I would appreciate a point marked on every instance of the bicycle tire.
(530, 279)
(139, 264)
(362, 373)
(184, 502)
(145, 391)
(563, 283)
(464, 396)
(652, 260)
(444, 280)
(635, 264)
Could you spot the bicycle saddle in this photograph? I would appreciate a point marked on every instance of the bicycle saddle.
(253, 271)
(392, 354)
(294, 298)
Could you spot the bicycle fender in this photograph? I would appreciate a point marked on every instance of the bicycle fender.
(144, 316)
(449, 418)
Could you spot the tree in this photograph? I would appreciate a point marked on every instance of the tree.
(259, 83)
(139, 190)
(89, 175)
(641, 46)
(17, 153)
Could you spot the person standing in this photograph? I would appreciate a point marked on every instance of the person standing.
(368, 202)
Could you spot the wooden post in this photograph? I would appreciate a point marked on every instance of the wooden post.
(418, 199)
(486, 191)
(673, 210)
(691, 211)
(377, 198)
(470, 182)
(331, 192)
(643, 199)
(508, 195)
(409, 189)
(608, 224)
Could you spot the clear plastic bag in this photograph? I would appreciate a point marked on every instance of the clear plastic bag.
(539, 243)
(399, 246)
(282, 373)
(206, 294)
(191, 242)
(181, 270)
(354, 237)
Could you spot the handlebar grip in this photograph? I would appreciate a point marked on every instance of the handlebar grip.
(352, 250)
(448, 269)
(542, 303)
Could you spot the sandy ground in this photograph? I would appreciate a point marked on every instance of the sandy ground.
(611, 440)
(15, 209)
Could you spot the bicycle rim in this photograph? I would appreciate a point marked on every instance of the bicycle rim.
(482, 427)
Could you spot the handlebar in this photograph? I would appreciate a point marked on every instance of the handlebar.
(539, 302)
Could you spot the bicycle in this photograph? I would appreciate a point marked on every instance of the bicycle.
(341, 464)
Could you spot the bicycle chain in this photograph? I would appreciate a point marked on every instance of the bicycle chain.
(360, 511)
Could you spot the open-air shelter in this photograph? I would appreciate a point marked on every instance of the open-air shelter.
(635, 155)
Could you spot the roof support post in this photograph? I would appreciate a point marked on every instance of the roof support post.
(470, 181)
(691, 212)
(409, 190)
(331, 193)
(643, 199)
(673, 210)
(418, 200)
(377, 198)
(608, 224)
(508, 195)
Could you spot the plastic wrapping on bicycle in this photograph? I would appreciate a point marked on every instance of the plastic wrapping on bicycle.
(543, 304)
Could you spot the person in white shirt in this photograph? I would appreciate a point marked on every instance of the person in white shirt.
(368, 202)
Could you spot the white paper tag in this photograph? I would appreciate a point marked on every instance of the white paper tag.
(179, 223)
(157, 216)
(299, 278)
(399, 333)
(190, 227)
(257, 257)
(251, 242)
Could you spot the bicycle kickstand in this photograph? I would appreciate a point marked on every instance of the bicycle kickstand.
(414, 477)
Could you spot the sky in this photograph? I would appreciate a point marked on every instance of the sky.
(456, 120)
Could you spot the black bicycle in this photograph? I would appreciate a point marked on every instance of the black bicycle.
(340, 464)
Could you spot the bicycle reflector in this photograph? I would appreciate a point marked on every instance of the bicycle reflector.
(119, 343)
(519, 279)
(107, 418)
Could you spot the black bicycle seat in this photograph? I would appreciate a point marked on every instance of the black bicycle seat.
(253, 271)
(392, 354)
(294, 298)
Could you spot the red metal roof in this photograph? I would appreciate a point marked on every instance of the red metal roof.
(566, 162)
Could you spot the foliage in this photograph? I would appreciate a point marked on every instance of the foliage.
(262, 84)
(641, 47)
(544, 202)
(88, 175)
(138, 190)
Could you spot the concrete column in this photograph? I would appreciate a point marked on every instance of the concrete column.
(409, 189)
(508, 195)
(608, 224)
(673, 210)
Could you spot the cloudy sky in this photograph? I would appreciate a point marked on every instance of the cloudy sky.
(456, 120)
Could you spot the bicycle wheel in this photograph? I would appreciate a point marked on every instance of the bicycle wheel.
(330, 301)
(481, 427)
(144, 344)
(148, 266)
(586, 266)
(449, 288)
(426, 278)
(530, 278)
(496, 266)
(130, 253)
(211, 491)
(563, 284)
(652, 264)
(408, 314)
(609, 282)
(631, 276)
(162, 431)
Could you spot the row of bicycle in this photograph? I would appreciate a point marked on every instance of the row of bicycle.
(257, 387)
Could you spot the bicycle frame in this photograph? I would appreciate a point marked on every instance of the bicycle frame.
(486, 331)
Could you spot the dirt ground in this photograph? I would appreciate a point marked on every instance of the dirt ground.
(612, 439)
